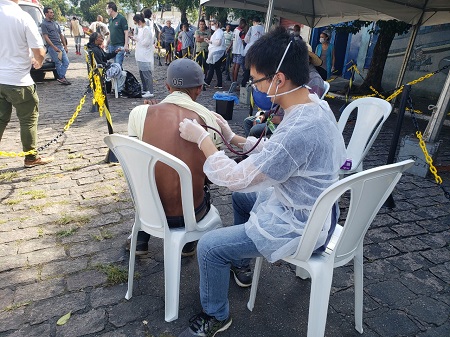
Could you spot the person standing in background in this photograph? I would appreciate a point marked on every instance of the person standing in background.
(99, 27)
(56, 43)
(17, 89)
(201, 46)
(325, 50)
(296, 33)
(228, 37)
(216, 54)
(187, 40)
(75, 28)
(118, 32)
(167, 38)
(144, 54)
(254, 34)
(237, 48)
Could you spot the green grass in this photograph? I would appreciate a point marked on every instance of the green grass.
(74, 155)
(8, 175)
(73, 219)
(11, 202)
(40, 177)
(16, 306)
(104, 235)
(39, 208)
(35, 194)
(115, 274)
(66, 232)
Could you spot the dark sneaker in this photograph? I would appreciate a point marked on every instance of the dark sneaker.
(141, 247)
(38, 161)
(243, 276)
(203, 325)
(189, 249)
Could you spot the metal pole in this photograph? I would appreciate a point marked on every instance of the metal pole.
(434, 126)
(110, 156)
(268, 16)
(395, 138)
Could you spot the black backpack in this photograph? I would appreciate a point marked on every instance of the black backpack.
(132, 87)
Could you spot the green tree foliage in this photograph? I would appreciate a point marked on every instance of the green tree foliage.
(386, 31)
(60, 8)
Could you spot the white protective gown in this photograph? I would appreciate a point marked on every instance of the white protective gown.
(289, 171)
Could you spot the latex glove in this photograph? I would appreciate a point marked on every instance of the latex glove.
(226, 130)
(192, 131)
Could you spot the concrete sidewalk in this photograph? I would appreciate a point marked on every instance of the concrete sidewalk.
(63, 229)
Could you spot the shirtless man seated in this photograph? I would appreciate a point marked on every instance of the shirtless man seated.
(158, 125)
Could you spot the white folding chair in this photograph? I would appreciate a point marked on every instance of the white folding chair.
(327, 88)
(371, 115)
(368, 191)
(138, 160)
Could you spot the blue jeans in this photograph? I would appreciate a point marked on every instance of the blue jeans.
(60, 65)
(119, 56)
(216, 252)
(254, 130)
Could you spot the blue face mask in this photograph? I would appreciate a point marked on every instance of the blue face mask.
(261, 100)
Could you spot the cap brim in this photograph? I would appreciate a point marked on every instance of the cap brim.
(315, 60)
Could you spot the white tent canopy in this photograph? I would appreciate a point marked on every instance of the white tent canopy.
(313, 13)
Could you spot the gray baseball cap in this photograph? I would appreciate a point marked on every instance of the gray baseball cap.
(184, 73)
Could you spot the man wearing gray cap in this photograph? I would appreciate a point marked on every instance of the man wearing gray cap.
(158, 125)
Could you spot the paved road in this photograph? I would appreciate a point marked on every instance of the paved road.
(63, 229)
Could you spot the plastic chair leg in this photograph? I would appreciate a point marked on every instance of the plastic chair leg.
(358, 279)
(134, 234)
(172, 270)
(321, 278)
(116, 88)
(302, 273)
(255, 281)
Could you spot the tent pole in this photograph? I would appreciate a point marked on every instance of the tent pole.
(268, 16)
(408, 51)
(434, 126)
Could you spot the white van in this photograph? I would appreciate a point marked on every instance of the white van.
(35, 10)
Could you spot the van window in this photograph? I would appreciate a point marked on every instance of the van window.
(35, 13)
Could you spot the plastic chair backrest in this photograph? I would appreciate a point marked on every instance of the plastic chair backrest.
(138, 160)
(372, 113)
(327, 88)
(368, 191)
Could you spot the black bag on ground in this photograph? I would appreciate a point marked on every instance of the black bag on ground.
(132, 87)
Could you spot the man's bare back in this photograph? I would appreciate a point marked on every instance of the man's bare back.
(161, 130)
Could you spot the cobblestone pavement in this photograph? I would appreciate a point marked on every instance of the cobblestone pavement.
(63, 229)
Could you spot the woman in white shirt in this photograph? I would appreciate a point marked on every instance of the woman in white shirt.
(216, 54)
(144, 54)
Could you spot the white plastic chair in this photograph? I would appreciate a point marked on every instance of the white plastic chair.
(327, 88)
(138, 160)
(369, 189)
(371, 115)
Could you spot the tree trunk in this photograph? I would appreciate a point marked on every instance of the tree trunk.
(183, 15)
(380, 54)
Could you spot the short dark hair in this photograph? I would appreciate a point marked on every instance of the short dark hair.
(93, 37)
(46, 9)
(266, 53)
(139, 17)
(256, 19)
(242, 22)
(112, 5)
(147, 13)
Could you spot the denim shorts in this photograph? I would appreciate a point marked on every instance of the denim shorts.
(238, 59)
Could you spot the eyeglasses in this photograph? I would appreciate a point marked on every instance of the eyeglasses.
(253, 82)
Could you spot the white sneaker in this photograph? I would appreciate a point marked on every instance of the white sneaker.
(147, 94)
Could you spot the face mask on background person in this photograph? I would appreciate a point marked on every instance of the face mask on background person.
(108, 11)
(321, 40)
(213, 27)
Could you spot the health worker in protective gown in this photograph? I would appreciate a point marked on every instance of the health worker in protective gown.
(276, 186)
